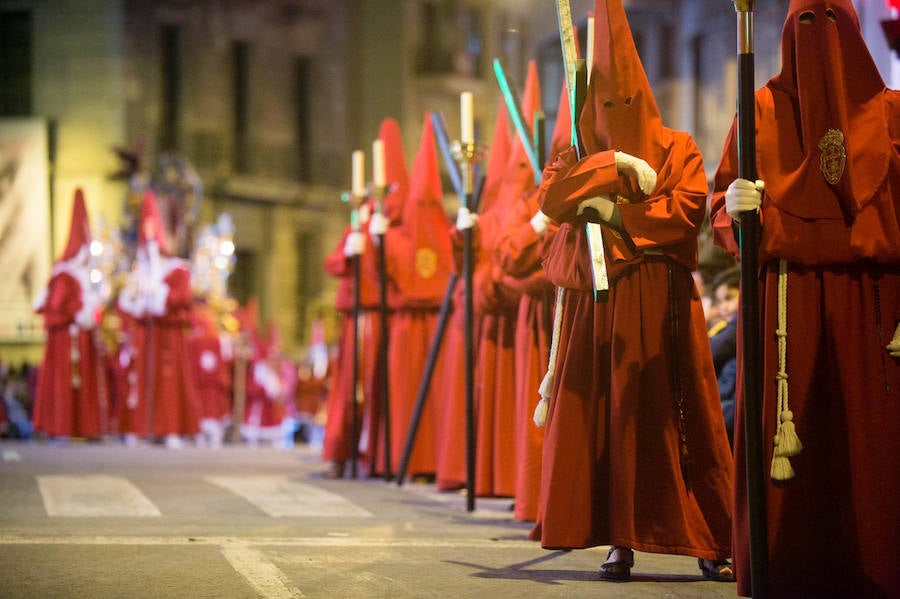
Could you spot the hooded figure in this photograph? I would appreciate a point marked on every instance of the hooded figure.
(68, 400)
(643, 460)
(157, 296)
(498, 304)
(336, 449)
(419, 264)
(524, 239)
(450, 378)
(828, 139)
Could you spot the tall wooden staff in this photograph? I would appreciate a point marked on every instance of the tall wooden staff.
(467, 154)
(749, 242)
(440, 131)
(380, 187)
(358, 193)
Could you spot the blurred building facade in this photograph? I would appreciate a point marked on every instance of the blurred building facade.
(268, 98)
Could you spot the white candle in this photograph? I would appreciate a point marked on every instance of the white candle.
(359, 173)
(378, 176)
(467, 125)
(590, 47)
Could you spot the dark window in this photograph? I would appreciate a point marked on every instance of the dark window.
(240, 56)
(15, 63)
(302, 102)
(242, 281)
(309, 279)
(452, 39)
(170, 84)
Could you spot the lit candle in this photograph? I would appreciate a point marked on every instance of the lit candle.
(590, 47)
(467, 126)
(378, 177)
(359, 174)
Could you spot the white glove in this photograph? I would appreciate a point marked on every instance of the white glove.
(156, 299)
(539, 223)
(894, 346)
(743, 196)
(602, 204)
(638, 169)
(131, 300)
(355, 244)
(378, 224)
(465, 219)
(84, 318)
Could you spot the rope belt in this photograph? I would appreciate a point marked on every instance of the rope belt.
(787, 443)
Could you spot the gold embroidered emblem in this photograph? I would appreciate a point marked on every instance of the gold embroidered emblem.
(426, 262)
(833, 157)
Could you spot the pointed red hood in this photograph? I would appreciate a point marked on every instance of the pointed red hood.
(151, 225)
(497, 158)
(79, 229)
(562, 131)
(426, 226)
(620, 112)
(828, 82)
(394, 169)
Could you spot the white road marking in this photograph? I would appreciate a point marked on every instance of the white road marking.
(11, 455)
(261, 574)
(93, 496)
(278, 496)
(311, 542)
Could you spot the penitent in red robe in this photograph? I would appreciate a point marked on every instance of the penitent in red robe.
(167, 400)
(67, 398)
(834, 527)
(451, 445)
(419, 262)
(519, 252)
(650, 456)
(339, 424)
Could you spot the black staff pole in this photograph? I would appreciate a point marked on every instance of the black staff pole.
(749, 241)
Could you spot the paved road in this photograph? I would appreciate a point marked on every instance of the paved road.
(101, 520)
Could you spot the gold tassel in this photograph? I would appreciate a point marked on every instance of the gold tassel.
(788, 443)
(540, 412)
(781, 468)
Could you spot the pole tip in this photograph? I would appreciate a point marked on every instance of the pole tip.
(744, 5)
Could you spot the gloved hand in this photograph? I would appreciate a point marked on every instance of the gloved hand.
(355, 244)
(637, 169)
(85, 317)
(465, 219)
(156, 299)
(604, 206)
(539, 223)
(743, 196)
(894, 346)
(378, 224)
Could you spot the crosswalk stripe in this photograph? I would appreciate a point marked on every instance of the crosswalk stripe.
(93, 495)
(261, 574)
(278, 496)
(308, 542)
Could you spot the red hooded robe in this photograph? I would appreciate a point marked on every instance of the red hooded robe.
(650, 461)
(67, 399)
(419, 263)
(830, 210)
(451, 452)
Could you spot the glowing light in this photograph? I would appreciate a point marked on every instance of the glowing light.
(221, 262)
(96, 276)
(96, 248)
(226, 248)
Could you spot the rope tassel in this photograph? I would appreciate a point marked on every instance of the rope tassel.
(787, 443)
(546, 388)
